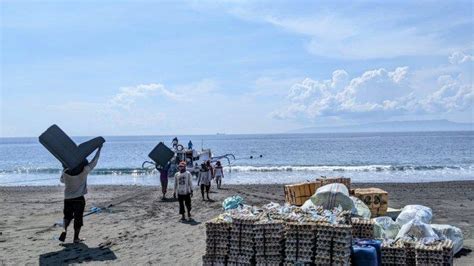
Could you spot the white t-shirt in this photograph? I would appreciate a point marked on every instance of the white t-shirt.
(183, 183)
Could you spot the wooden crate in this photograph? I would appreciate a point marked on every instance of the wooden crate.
(297, 194)
(375, 198)
(330, 180)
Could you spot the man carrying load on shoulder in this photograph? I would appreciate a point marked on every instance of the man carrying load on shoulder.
(75, 182)
(183, 188)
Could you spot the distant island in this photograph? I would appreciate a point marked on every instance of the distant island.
(393, 126)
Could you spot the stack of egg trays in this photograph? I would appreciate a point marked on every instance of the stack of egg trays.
(363, 228)
(269, 241)
(333, 244)
(448, 252)
(217, 242)
(410, 251)
(300, 241)
(433, 254)
(210, 260)
(393, 254)
(242, 240)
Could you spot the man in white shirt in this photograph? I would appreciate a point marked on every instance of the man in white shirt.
(183, 187)
(75, 182)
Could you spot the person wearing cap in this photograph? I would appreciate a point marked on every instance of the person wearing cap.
(183, 189)
(204, 180)
(219, 174)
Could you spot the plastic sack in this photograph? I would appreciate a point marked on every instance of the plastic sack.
(385, 228)
(418, 231)
(360, 208)
(308, 205)
(232, 202)
(333, 195)
(410, 212)
(452, 233)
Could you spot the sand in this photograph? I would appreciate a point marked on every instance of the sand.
(139, 228)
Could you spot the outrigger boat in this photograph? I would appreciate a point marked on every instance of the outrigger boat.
(193, 158)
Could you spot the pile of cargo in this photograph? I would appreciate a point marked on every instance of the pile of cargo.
(276, 234)
(330, 227)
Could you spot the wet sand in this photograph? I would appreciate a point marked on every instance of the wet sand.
(139, 228)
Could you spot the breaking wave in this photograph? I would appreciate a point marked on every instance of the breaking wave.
(355, 168)
(243, 168)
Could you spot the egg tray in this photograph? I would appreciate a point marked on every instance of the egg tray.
(393, 253)
(363, 228)
(410, 252)
(437, 253)
(210, 260)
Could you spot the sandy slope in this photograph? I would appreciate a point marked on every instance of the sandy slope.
(141, 229)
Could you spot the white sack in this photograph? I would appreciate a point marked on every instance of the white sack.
(333, 195)
(360, 208)
(450, 232)
(386, 228)
(410, 212)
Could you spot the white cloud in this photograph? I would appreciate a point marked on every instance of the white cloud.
(460, 57)
(375, 93)
(128, 95)
(336, 33)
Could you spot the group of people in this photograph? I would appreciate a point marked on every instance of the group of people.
(183, 186)
(75, 181)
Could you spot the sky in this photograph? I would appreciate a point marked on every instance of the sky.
(206, 67)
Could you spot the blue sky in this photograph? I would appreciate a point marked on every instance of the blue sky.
(201, 67)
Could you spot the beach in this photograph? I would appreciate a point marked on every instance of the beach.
(138, 228)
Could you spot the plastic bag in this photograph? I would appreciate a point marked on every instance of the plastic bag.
(333, 195)
(418, 231)
(232, 202)
(452, 233)
(308, 205)
(386, 228)
(410, 212)
(360, 208)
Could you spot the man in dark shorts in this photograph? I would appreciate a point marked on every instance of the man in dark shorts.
(75, 181)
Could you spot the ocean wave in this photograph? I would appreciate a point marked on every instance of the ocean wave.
(249, 168)
(346, 168)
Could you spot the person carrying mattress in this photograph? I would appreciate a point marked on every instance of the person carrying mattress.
(75, 182)
(163, 178)
(183, 189)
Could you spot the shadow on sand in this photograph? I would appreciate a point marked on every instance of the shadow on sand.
(463, 252)
(76, 253)
(191, 222)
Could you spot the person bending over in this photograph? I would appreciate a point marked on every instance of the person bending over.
(183, 188)
(75, 187)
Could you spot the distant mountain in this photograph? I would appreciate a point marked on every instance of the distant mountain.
(393, 126)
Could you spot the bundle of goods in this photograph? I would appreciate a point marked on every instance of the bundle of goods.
(393, 253)
(330, 180)
(297, 194)
(438, 253)
(333, 195)
(241, 244)
(363, 228)
(269, 238)
(375, 198)
(217, 242)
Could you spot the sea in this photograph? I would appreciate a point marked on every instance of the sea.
(260, 159)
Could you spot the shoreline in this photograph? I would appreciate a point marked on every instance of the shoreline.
(139, 228)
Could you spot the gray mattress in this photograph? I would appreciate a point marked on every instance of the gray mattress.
(161, 154)
(64, 149)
